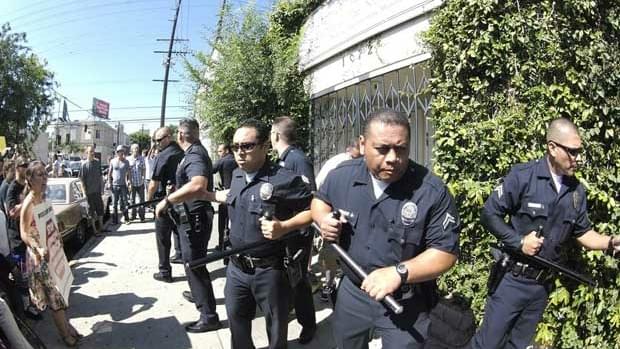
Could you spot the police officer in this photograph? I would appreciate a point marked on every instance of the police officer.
(541, 193)
(224, 167)
(194, 217)
(258, 191)
(164, 172)
(283, 141)
(399, 222)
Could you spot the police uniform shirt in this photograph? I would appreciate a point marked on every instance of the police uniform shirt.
(528, 194)
(413, 214)
(225, 167)
(295, 160)
(195, 163)
(165, 166)
(290, 196)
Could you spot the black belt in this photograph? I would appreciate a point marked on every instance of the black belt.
(249, 263)
(529, 272)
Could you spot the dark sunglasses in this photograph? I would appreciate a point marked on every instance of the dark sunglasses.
(161, 139)
(246, 147)
(574, 152)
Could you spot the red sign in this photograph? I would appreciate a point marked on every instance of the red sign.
(101, 108)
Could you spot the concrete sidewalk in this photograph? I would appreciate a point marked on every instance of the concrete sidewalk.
(116, 303)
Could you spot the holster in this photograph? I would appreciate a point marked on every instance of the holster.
(499, 268)
(294, 264)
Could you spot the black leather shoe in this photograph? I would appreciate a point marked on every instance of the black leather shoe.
(306, 335)
(162, 277)
(201, 326)
(188, 296)
(176, 260)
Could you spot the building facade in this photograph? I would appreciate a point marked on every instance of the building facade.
(363, 55)
(87, 132)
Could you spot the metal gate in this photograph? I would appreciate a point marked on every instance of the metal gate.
(339, 117)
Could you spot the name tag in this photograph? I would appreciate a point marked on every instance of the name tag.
(534, 205)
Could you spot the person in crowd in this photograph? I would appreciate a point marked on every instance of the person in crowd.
(164, 172)
(2, 174)
(9, 173)
(400, 224)
(118, 176)
(14, 200)
(92, 182)
(149, 161)
(224, 167)
(194, 219)
(137, 170)
(328, 261)
(542, 193)
(42, 287)
(283, 139)
(265, 202)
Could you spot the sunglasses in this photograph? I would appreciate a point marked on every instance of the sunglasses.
(574, 152)
(23, 165)
(245, 147)
(161, 139)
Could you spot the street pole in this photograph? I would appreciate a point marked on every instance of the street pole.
(167, 69)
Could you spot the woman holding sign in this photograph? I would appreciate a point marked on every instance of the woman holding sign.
(45, 258)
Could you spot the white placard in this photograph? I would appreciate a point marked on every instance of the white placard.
(49, 236)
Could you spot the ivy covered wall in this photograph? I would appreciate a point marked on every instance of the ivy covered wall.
(502, 70)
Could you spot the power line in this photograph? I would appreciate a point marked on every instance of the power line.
(138, 107)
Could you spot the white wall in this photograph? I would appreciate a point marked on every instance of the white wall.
(345, 41)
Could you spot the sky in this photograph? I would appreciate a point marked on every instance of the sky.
(104, 49)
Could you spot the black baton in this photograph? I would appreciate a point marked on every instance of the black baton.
(388, 300)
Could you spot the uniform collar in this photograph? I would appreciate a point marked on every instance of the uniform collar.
(286, 152)
(263, 175)
(542, 168)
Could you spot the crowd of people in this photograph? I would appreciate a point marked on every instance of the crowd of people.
(392, 216)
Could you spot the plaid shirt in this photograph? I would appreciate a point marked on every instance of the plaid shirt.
(136, 168)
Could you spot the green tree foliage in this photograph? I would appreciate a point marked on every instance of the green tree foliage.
(253, 71)
(25, 89)
(142, 138)
(502, 70)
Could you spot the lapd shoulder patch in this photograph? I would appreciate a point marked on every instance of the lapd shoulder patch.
(408, 213)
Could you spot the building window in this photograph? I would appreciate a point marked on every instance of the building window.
(339, 117)
(67, 138)
(97, 134)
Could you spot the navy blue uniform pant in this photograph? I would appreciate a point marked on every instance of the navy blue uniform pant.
(512, 314)
(302, 292)
(356, 315)
(266, 287)
(164, 229)
(194, 246)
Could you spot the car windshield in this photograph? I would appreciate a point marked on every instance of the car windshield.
(56, 193)
(75, 165)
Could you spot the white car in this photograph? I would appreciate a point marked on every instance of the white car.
(70, 207)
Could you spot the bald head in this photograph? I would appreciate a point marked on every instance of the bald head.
(560, 128)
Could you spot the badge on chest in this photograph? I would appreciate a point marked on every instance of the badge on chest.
(408, 213)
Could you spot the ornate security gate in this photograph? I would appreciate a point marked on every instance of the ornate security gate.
(339, 117)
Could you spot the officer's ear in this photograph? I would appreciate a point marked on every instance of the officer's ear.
(362, 143)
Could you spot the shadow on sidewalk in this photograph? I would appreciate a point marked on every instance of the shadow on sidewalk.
(148, 334)
(129, 231)
(81, 274)
(120, 306)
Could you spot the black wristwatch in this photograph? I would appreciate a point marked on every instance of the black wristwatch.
(403, 272)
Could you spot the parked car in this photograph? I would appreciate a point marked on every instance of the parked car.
(74, 167)
(71, 209)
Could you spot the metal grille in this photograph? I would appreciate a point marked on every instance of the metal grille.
(338, 117)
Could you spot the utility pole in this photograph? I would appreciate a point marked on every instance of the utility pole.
(167, 68)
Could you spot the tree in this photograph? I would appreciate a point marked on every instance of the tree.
(501, 71)
(253, 71)
(142, 138)
(26, 89)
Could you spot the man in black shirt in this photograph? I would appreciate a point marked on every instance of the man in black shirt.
(225, 167)
(194, 218)
(164, 172)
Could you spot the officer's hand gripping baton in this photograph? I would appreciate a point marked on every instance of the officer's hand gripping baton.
(388, 300)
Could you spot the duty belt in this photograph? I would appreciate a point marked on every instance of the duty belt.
(529, 272)
(248, 263)
(405, 291)
(181, 215)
